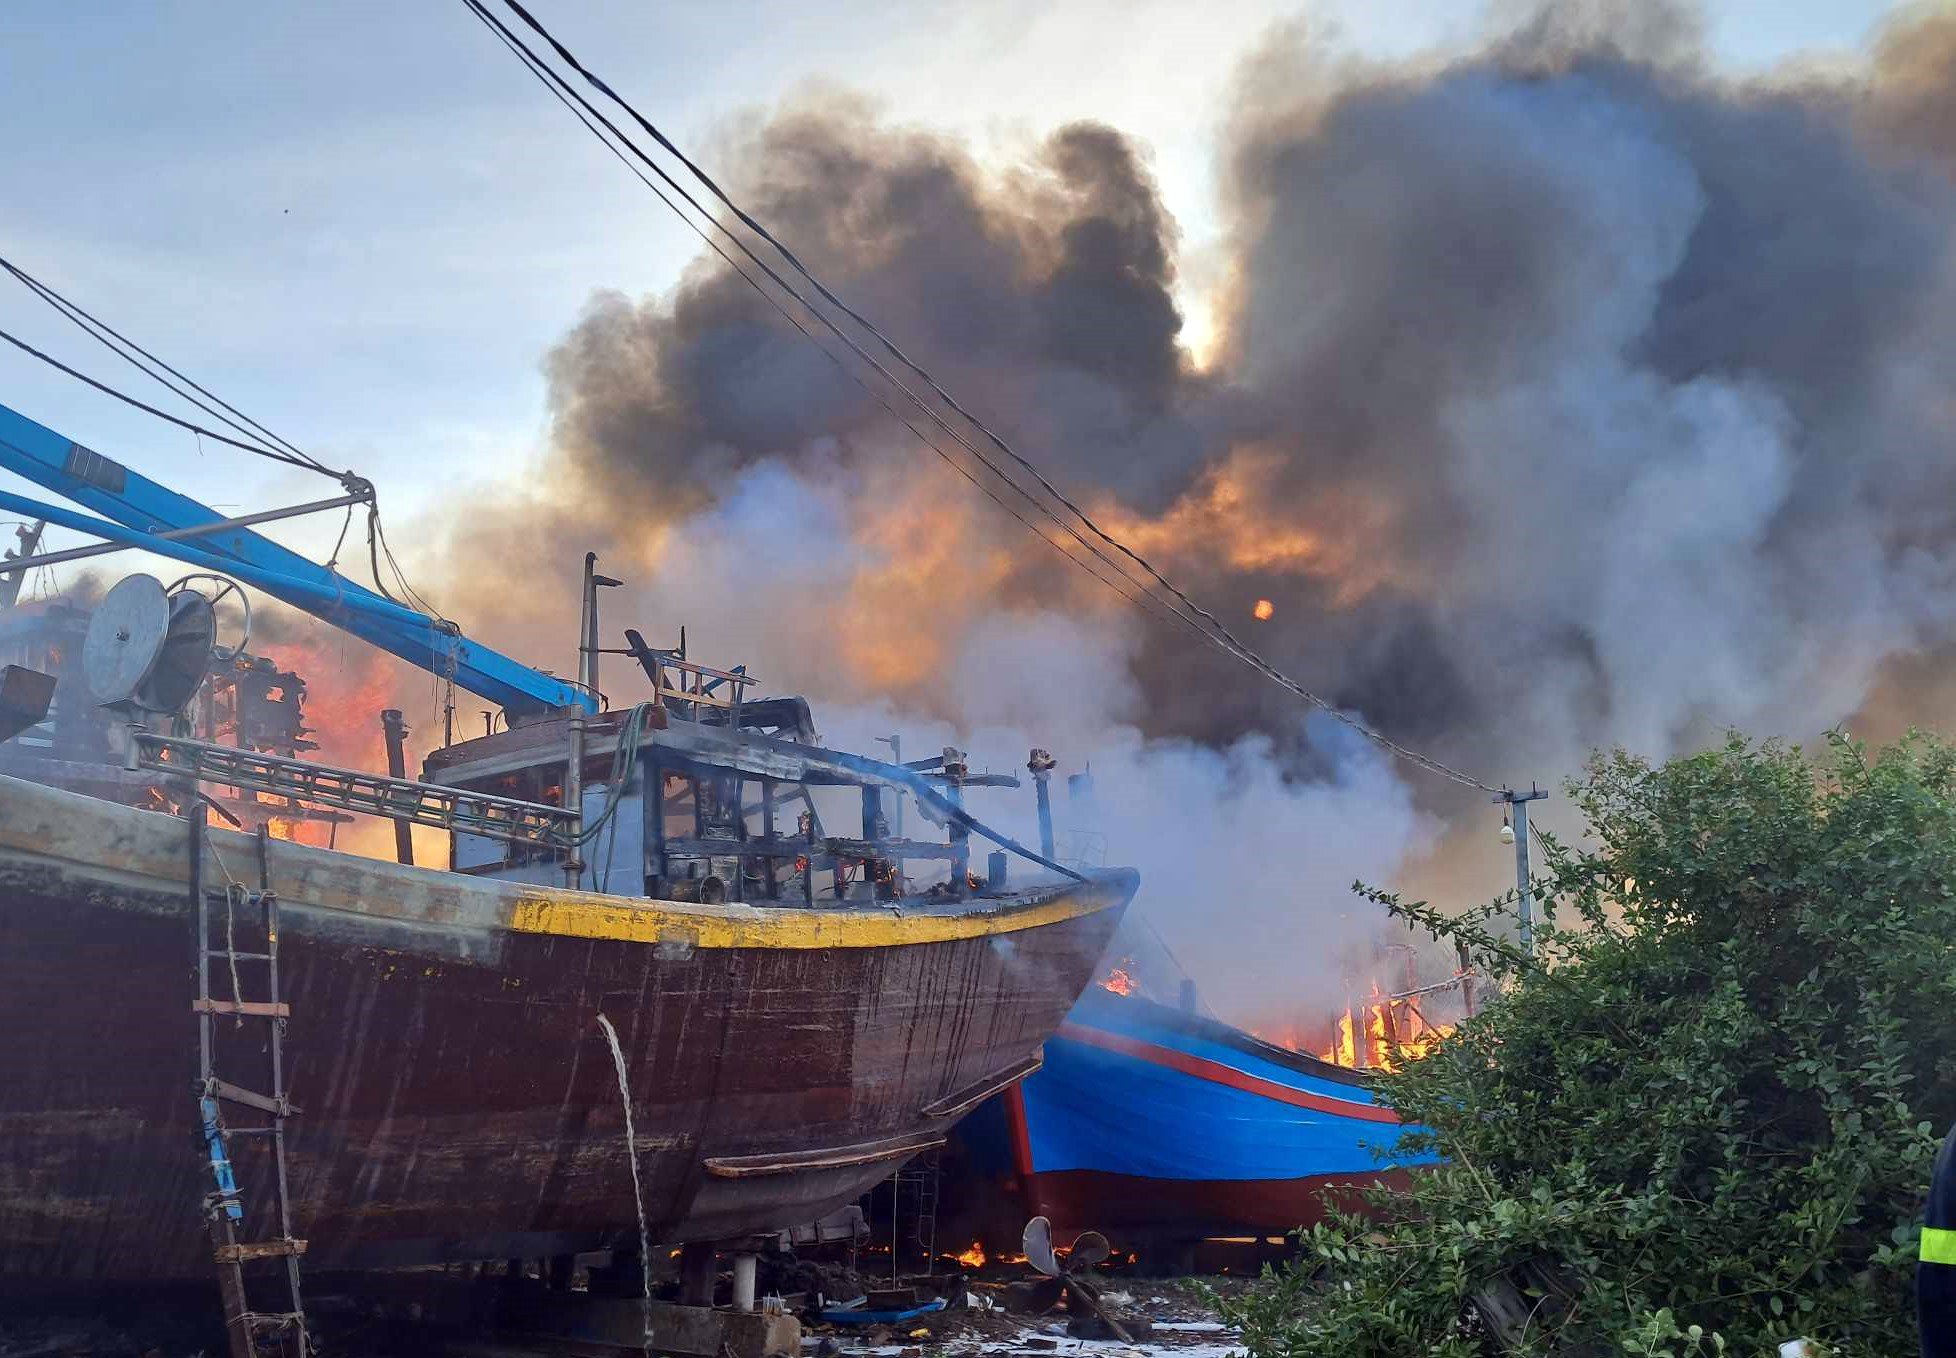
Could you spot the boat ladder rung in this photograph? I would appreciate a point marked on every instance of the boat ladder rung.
(272, 1320)
(276, 1105)
(247, 1331)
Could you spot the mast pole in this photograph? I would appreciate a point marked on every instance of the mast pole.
(587, 680)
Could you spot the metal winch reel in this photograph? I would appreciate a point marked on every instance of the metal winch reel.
(149, 646)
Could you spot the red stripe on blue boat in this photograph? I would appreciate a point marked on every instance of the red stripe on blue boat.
(1214, 1071)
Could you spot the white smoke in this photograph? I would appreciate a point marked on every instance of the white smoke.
(1246, 863)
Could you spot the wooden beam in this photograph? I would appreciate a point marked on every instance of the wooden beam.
(249, 1008)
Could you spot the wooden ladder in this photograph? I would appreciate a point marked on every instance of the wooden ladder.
(252, 1334)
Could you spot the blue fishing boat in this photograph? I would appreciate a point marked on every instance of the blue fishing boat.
(1156, 1124)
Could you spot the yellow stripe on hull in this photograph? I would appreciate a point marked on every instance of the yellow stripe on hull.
(570, 915)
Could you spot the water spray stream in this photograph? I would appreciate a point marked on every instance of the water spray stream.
(638, 1193)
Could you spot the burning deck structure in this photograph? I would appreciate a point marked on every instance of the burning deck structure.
(250, 702)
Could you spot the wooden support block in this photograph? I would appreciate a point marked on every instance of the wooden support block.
(261, 1249)
(572, 1319)
(249, 1008)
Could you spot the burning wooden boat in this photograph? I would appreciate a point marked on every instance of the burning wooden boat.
(457, 1098)
(417, 1053)
(1160, 1125)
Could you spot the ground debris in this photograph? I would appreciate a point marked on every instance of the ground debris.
(1175, 1316)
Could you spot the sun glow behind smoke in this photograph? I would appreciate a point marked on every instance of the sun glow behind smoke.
(1491, 322)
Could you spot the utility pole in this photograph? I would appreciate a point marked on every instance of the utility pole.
(1517, 803)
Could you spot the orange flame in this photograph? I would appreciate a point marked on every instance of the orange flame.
(1264, 610)
(973, 1257)
(1382, 1034)
(1119, 980)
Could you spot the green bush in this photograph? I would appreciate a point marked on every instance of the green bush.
(1708, 1109)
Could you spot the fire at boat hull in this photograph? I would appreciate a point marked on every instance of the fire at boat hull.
(1147, 1122)
(457, 1098)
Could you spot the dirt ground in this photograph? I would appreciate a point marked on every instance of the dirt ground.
(185, 1324)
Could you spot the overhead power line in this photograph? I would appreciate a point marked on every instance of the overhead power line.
(516, 44)
(1210, 626)
(148, 409)
(571, 100)
(120, 345)
(259, 439)
(1133, 590)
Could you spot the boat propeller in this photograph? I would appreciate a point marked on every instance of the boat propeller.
(1069, 1276)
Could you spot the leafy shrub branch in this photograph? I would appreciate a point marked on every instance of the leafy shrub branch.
(1701, 1119)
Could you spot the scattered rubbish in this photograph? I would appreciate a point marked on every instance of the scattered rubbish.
(858, 1313)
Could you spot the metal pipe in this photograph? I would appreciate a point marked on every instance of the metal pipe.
(587, 634)
(1040, 766)
(743, 1281)
(895, 743)
(29, 537)
(588, 649)
(574, 765)
(10, 565)
(960, 833)
(396, 731)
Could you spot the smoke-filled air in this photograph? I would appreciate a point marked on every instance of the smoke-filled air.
(1564, 392)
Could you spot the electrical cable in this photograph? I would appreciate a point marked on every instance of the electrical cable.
(551, 81)
(556, 83)
(110, 338)
(282, 449)
(1218, 632)
(127, 399)
(530, 59)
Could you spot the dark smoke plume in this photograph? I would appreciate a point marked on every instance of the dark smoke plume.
(1569, 393)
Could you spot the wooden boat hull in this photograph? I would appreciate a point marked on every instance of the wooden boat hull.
(458, 1099)
(1155, 1125)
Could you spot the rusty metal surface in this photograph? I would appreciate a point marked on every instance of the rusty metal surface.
(460, 1102)
(24, 698)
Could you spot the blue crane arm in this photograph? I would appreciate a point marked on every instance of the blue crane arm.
(144, 508)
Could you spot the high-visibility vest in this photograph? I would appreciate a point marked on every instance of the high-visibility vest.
(1935, 1272)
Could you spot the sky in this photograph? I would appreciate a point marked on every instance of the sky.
(365, 225)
